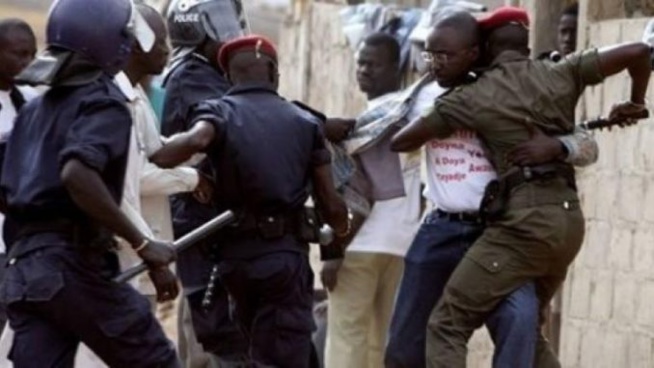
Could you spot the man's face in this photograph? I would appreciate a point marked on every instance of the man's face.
(450, 56)
(17, 50)
(567, 37)
(377, 73)
(155, 61)
(157, 58)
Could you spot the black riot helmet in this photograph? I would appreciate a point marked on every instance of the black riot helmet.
(190, 22)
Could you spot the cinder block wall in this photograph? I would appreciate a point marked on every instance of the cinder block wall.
(608, 311)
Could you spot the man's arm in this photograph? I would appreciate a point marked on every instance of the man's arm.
(184, 145)
(156, 181)
(420, 131)
(330, 204)
(635, 57)
(579, 149)
(581, 146)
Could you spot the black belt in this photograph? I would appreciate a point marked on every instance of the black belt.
(540, 172)
(60, 226)
(459, 216)
(78, 234)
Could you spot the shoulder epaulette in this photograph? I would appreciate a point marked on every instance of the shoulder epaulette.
(310, 110)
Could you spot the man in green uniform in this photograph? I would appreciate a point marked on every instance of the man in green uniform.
(537, 226)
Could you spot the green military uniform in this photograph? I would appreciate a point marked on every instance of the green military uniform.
(542, 228)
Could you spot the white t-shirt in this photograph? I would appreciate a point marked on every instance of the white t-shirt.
(7, 117)
(457, 168)
(7, 114)
(392, 223)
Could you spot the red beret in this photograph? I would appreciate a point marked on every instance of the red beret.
(253, 43)
(502, 16)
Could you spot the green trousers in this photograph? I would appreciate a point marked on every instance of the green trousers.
(529, 243)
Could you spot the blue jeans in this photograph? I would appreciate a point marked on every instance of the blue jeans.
(437, 249)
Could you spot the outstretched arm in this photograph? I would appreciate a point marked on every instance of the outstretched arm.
(183, 146)
(413, 136)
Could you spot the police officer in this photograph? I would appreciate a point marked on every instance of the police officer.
(197, 30)
(63, 177)
(266, 150)
(537, 226)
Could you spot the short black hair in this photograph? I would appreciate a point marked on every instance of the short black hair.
(8, 25)
(461, 20)
(572, 10)
(386, 41)
(509, 37)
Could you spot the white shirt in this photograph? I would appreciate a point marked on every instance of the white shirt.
(147, 187)
(392, 223)
(457, 168)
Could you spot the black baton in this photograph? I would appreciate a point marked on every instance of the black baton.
(184, 242)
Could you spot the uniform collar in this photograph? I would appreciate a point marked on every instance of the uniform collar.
(252, 88)
(125, 86)
(508, 56)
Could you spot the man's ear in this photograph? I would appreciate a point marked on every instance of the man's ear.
(475, 52)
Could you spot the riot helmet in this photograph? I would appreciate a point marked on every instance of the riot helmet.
(86, 37)
(190, 22)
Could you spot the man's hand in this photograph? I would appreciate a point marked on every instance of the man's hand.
(627, 113)
(539, 149)
(329, 273)
(165, 282)
(157, 254)
(337, 130)
(203, 193)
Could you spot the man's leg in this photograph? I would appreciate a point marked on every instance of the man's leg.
(60, 292)
(274, 298)
(389, 274)
(216, 331)
(38, 343)
(213, 327)
(528, 246)
(190, 351)
(436, 250)
(349, 314)
(514, 329)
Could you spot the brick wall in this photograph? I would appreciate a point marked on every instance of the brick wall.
(608, 311)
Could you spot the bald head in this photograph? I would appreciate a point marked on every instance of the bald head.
(463, 22)
(10, 27)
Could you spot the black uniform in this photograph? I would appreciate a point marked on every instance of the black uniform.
(191, 81)
(265, 150)
(57, 288)
(9, 227)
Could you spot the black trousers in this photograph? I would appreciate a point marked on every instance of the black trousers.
(59, 296)
(273, 295)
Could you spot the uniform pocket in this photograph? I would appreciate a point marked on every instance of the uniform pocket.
(44, 287)
(490, 260)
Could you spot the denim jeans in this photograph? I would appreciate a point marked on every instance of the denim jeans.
(437, 249)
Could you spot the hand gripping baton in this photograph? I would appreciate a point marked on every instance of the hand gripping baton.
(184, 242)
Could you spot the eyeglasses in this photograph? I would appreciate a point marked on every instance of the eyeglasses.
(436, 57)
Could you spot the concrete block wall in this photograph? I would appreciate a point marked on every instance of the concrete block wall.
(608, 310)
